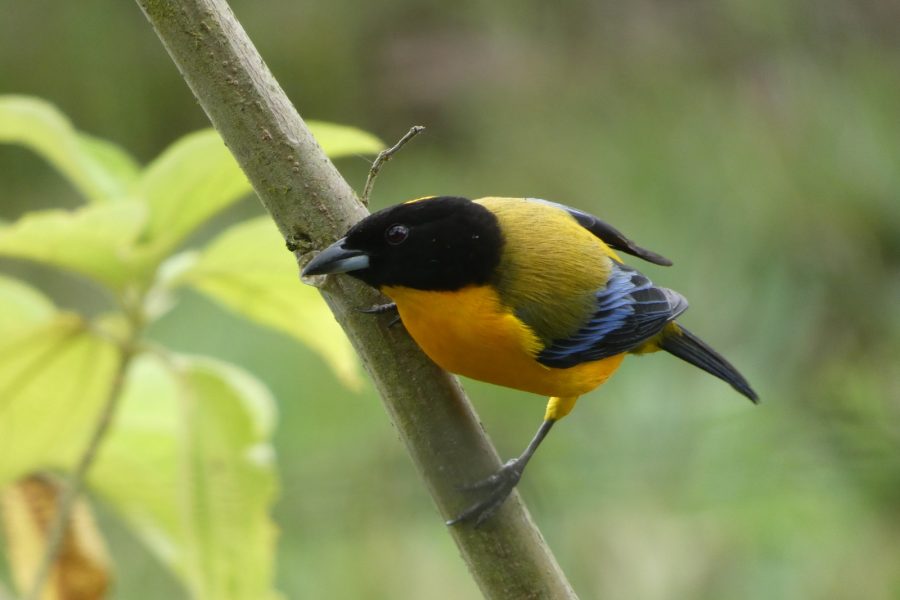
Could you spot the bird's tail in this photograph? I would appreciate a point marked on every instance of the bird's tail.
(688, 347)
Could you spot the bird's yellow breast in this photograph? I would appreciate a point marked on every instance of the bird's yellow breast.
(471, 333)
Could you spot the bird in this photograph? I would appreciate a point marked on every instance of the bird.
(519, 292)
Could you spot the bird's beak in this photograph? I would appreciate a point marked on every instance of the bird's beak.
(336, 259)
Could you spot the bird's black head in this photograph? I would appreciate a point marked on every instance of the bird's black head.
(442, 243)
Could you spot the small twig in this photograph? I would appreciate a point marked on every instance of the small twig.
(59, 524)
(383, 157)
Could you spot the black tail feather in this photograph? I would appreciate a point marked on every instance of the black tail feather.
(688, 347)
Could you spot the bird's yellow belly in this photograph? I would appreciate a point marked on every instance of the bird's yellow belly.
(469, 332)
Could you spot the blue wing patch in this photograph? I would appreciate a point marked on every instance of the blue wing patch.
(611, 236)
(630, 310)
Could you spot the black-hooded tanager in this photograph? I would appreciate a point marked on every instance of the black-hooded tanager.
(522, 293)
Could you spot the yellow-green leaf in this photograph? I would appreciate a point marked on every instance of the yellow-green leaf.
(53, 380)
(95, 241)
(100, 170)
(248, 270)
(342, 140)
(192, 180)
(21, 307)
(196, 177)
(189, 464)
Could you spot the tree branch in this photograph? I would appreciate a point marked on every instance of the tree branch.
(313, 206)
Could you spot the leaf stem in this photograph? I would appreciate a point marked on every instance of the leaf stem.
(383, 157)
(58, 526)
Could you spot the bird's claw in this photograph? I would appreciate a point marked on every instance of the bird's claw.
(378, 308)
(498, 485)
(492, 480)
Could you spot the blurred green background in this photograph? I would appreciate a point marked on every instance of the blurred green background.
(756, 143)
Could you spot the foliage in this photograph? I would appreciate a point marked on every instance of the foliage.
(188, 462)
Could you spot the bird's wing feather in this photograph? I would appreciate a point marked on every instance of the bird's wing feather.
(609, 234)
(630, 310)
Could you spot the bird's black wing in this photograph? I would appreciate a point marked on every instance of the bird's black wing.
(630, 311)
(609, 234)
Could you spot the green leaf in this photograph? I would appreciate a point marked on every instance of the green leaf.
(338, 141)
(248, 270)
(197, 177)
(54, 379)
(100, 170)
(21, 307)
(120, 169)
(192, 180)
(95, 241)
(189, 465)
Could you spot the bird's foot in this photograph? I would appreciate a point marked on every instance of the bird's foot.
(379, 309)
(497, 489)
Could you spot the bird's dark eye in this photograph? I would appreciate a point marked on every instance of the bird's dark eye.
(396, 234)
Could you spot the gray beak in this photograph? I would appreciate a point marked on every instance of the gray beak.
(336, 259)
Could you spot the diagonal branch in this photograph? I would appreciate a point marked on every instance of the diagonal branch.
(312, 206)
